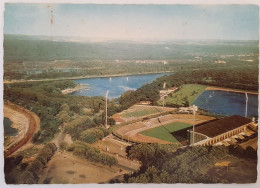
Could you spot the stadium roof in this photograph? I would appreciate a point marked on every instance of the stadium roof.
(216, 128)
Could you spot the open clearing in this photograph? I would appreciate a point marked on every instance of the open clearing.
(164, 132)
(114, 146)
(66, 168)
(187, 92)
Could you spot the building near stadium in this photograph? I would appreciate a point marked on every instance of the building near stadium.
(222, 132)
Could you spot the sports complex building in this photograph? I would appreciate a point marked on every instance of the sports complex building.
(225, 131)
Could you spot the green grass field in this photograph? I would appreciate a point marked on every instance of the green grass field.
(164, 132)
(141, 112)
(187, 92)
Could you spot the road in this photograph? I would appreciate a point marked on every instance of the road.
(60, 137)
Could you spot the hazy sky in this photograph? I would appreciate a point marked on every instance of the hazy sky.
(139, 22)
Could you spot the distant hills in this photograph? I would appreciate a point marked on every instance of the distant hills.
(45, 48)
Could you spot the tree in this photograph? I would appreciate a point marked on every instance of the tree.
(88, 136)
(185, 102)
(97, 120)
(46, 152)
(144, 153)
(63, 117)
(65, 107)
(92, 135)
(23, 166)
(251, 153)
(52, 147)
(43, 159)
(35, 167)
(26, 178)
(63, 146)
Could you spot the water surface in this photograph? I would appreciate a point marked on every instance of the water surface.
(8, 129)
(115, 85)
(228, 103)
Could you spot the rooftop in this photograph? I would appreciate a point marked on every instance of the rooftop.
(221, 126)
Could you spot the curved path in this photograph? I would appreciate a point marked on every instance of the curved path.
(32, 120)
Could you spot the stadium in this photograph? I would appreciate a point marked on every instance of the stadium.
(180, 128)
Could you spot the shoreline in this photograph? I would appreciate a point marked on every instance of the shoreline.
(230, 90)
(76, 88)
(84, 77)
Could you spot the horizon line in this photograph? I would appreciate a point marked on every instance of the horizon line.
(130, 39)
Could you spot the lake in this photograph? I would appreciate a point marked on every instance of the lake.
(227, 103)
(8, 129)
(115, 85)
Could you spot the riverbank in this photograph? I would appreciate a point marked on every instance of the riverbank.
(76, 88)
(83, 77)
(230, 90)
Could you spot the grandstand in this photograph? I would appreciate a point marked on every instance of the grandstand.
(223, 132)
(130, 127)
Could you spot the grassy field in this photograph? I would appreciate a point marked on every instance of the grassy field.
(164, 132)
(141, 112)
(187, 91)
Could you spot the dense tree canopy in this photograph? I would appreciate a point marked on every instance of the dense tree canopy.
(163, 164)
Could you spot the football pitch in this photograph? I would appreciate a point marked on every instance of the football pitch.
(165, 132)
(139, 112)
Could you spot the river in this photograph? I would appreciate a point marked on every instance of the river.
(115, 85)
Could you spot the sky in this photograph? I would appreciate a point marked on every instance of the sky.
(134, 22)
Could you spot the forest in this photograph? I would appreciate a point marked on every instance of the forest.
(55, 109)
(161, 164)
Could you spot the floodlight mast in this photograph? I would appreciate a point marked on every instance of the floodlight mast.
(106, 109)
(246, 104)
(195, 108)
(164, 85)
(163, 101)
